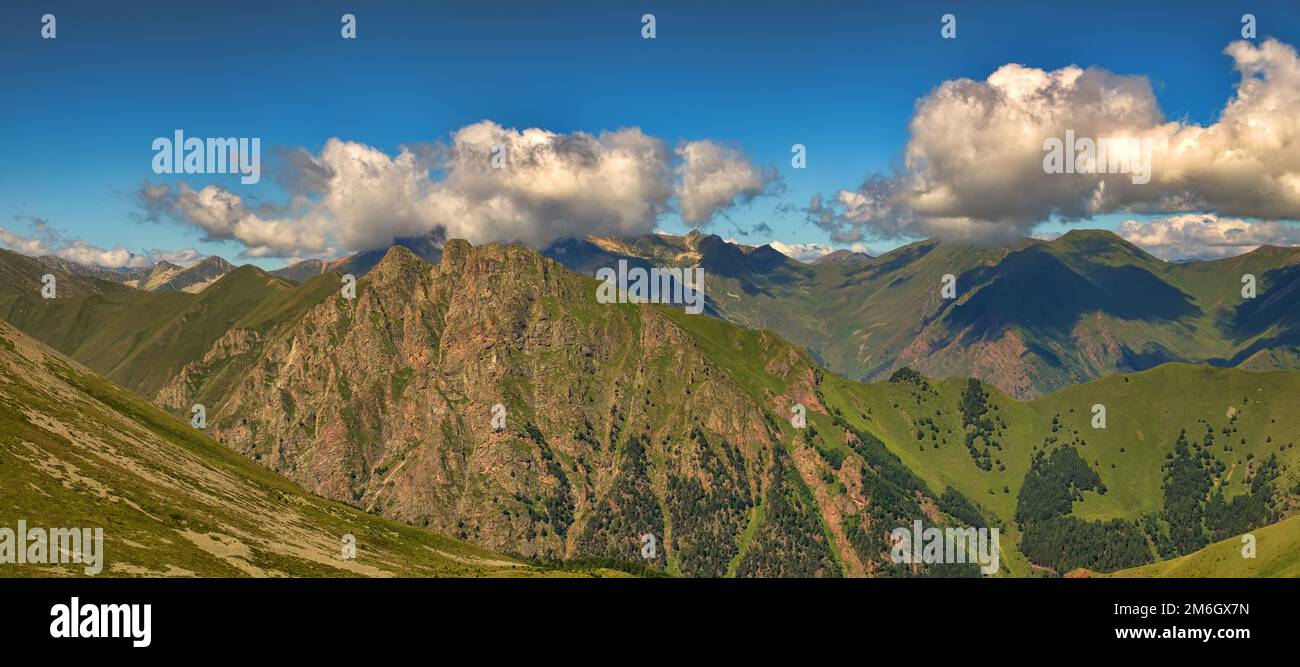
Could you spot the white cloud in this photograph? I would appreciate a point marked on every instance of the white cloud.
(46, 241)
(1205, 236)
(973, 165)
(109, 258)
(804, 252)
(24, 244)
(223, 215)
(553, 185)
(712, 177)
(809, 252)
(179, 257)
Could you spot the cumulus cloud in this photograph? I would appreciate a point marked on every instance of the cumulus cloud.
(712, 177)
(44, 240)
(973, 166)
(809, 252)
(553, 185)
(1206, 236)
(118, 257)
(26, 245)
(487, 183)
(222, 215)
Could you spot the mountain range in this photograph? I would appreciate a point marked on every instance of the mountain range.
(1030, 318)
(161, 277)
(428, 248)
(627, 420)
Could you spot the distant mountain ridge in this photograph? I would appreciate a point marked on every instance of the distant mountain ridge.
(1030, 318)
(842, 256)
(161, 277)
(116, 275)
(358, 264)
(21, 274)
(192, 278)
(165, 276)
(156, 274)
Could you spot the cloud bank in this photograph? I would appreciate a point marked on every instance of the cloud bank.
(1206, 236)
(488, 183)
(972, 169)
(45, 241)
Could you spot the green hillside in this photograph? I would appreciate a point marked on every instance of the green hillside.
(141, 339)
(99, 330)
(20, 275)
(1146, 413)
(1277, 554)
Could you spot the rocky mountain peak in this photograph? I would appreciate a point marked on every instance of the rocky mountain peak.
(455, 252)
(213, 262)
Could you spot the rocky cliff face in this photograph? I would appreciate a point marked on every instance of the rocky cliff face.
(192, 278)
(76, 450)
(620, 421)
(617, 424)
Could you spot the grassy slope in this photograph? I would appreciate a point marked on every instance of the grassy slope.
(1277, 554)
(141, 339)
(1145, 413)
(191, 331)
(20, 275)
(1212, 287)
(76, 450)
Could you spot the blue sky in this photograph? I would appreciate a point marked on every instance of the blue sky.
(79, 112)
